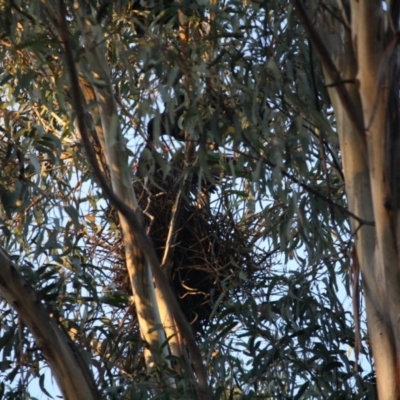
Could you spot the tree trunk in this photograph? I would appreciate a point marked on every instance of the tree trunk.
(364, 55)
(143, 265)
(98, 91)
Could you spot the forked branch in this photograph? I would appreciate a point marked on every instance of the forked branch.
(143, 240)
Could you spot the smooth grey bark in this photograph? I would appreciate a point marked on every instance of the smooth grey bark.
(68, 367)
(360, 61)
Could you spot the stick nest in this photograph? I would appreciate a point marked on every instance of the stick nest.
(209, 256)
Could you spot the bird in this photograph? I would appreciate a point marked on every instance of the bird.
(167, 123)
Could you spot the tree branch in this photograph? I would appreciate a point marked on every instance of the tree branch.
(310, 189)
(69, 369)
(143, 240)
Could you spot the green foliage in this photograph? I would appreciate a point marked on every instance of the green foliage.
(253, 87)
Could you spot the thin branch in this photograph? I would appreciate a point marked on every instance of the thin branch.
(341, 82)
(171, 230)
(310, 189)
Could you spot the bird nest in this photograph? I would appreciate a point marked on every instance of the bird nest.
(209, 256)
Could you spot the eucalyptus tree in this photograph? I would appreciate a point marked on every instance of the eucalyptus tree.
(173, 200)
(359, 55)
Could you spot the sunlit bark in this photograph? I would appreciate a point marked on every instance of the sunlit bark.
(97, 90)
(363, 54)
(69, 368)
(139, 250)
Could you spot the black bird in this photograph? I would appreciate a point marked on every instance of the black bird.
(164, 124)
(167, 123)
